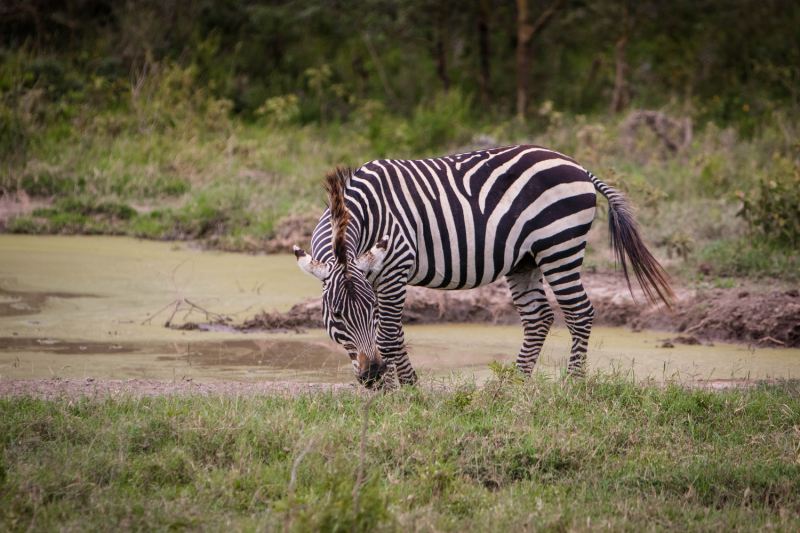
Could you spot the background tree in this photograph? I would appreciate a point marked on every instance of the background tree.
(526, 32)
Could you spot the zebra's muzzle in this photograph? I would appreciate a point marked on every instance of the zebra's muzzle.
(372, 374)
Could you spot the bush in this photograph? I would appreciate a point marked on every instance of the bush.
(773, 207)
(743, 257)
(442, 124)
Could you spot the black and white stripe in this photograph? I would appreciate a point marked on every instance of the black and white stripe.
(462, 221)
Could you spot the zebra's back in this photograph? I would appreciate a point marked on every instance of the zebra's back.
(473, 217)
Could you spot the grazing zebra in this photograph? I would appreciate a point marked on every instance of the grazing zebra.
(460, 222)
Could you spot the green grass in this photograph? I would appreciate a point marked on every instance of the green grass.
(540, 455)
(746, 257)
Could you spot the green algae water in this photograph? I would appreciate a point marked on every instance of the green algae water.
(76, 307)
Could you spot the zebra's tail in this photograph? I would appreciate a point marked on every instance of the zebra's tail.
(626, 240)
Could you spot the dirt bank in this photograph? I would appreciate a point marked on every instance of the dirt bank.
(767, 319)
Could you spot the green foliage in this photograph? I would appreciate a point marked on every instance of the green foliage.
(505, 372)
(337, 488)
(46, 183)
(773, 207)
(280, 109)
(87, 208)
(754, 258)
(444, 122)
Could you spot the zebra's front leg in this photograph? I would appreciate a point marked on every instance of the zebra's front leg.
(527, 290)
(390, 336)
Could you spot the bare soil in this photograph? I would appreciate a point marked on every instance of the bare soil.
(17, 203)
(770, 319)
(74, 389)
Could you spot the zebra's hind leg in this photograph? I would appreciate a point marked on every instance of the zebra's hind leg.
(565, 280)
(527, 290)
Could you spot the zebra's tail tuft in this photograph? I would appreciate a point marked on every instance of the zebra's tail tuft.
(627, 241)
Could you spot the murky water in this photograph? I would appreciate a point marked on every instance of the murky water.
(73, 307)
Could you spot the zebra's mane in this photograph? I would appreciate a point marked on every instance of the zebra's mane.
(335, 185)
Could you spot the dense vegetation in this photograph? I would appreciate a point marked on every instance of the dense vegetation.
(213, 120)
(546, 455)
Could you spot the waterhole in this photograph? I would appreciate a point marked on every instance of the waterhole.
(75, 307)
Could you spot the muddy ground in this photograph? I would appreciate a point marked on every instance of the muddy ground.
(769, 319)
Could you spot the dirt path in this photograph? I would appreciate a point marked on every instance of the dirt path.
(75, 389)
(770, 319)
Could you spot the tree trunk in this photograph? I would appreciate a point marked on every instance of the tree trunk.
(525, 34)
(484, 78)
(363, 76)
(620, 98)
(441, 52)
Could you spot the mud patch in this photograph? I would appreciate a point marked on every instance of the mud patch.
(62, 347)
(20, 303)
(229, 359)
(771, 319)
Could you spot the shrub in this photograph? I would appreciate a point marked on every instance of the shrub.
(772, 208)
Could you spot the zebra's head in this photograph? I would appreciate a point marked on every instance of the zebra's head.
(348, 301)
(349, 307)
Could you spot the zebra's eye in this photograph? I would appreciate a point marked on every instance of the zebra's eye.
(337, 315)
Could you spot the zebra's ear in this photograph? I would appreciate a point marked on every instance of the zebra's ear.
(373, 259)
(311, 266)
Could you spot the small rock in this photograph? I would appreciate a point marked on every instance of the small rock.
(89, 380)
(690, 341)
(705, 268)
(667, 344)
(744, 294)
(794, 293)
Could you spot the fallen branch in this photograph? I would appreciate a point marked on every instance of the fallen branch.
(772, 340)
(181, 300)
(664, 128)
(706, 322)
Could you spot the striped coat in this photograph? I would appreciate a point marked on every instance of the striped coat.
(463, 221)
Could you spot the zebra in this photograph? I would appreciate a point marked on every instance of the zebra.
(460, 222)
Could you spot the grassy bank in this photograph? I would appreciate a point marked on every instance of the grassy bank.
(170, 161)
(545, 456)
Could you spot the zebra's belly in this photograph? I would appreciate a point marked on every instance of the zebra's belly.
(444, 282)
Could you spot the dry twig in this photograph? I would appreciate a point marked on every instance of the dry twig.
(290, 488)
(179, 301)
(362, 453)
